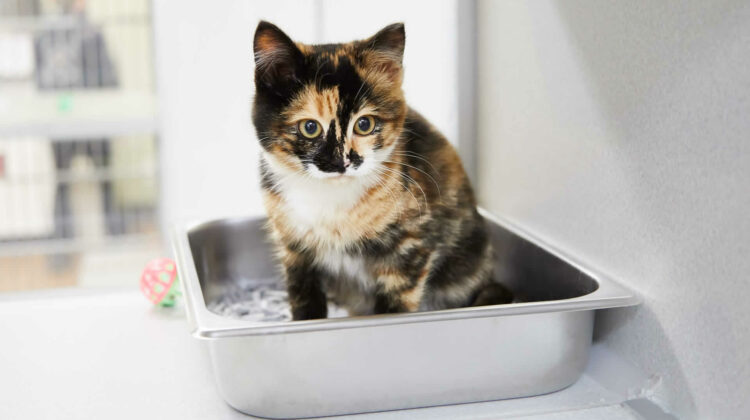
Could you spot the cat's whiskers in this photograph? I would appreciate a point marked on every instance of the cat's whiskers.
(409, 178)
(356, 96)
(282, 178)
(394, 200)
(400, 207)
(383, 168)
(414, 135)
(376, 178)
(315, 78)
(430, 176)
(417, 156)
(404, 174)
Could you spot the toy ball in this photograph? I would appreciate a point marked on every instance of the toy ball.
(159, 282)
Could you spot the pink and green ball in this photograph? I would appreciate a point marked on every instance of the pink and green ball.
(159, 282)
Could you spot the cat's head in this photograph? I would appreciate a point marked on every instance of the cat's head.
(328, 111)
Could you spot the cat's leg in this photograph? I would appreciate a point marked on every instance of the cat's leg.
(304, 285)
(493, 293)
(391, 303)
(400, 288)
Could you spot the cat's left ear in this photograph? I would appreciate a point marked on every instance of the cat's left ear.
(390, 40)
(276, 56)
(385, 52)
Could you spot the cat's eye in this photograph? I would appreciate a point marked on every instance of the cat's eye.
(310, 128)
(364, 125)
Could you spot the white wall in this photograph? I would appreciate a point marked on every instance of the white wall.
(620, 131)
(205, 84)
(204, 63)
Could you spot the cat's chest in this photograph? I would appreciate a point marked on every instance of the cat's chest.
(349, 282)
(320, 209)
(341, 264)
(314, 205)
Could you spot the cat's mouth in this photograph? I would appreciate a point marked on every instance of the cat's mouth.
(343, 169)
(349, 172)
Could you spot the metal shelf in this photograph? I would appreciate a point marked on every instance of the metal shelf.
(73, 245)
(95, 175)
(60, 22)
(81, 129)
(76, 114)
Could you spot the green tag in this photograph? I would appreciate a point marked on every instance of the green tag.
(65, 102)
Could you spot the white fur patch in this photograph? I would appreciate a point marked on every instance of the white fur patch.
(313, 202)
(372, 159)
(342, 265)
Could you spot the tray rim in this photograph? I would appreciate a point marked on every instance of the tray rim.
(208, 325)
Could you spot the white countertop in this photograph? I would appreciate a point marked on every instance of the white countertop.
(78, 354)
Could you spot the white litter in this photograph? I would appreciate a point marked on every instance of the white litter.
(259, 301)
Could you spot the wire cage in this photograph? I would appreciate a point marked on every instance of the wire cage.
(78, 141)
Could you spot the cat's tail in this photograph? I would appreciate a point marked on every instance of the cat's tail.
(493, 293)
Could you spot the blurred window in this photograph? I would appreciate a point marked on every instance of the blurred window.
(79, 195)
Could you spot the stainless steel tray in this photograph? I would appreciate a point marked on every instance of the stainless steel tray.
(385, 362)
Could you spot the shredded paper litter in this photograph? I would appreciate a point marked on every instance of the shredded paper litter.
(259, 302)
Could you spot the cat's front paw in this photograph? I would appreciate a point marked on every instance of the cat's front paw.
(308, 312)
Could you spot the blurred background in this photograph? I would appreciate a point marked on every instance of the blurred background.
(617, 131)
(120, 119)
(79, 154)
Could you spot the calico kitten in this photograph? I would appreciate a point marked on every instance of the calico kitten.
(368, 204)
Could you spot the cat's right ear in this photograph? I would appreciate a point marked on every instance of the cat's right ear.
(276, 56)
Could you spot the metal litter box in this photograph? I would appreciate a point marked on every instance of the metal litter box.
(384, 362)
